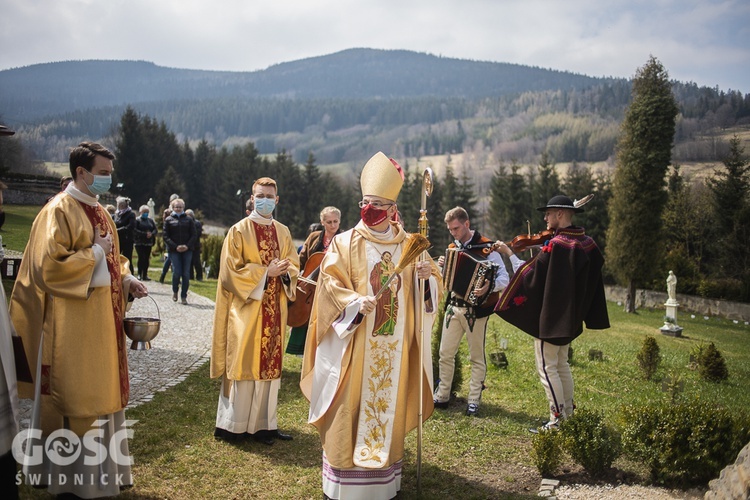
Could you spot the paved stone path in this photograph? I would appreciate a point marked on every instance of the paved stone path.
(182, 345)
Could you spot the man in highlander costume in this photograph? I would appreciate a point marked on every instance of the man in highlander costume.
(551, 295)
(361, 370)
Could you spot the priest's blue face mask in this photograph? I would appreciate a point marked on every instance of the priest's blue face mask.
(100, 185)
(264, 206)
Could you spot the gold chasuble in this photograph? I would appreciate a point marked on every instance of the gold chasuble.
(361, 375)
(250, 320)
(84, 368)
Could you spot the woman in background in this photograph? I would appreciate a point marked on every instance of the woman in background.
(145, 237)
(125, 223)
(317, 241)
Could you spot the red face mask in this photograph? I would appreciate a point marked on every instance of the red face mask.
(372, 216)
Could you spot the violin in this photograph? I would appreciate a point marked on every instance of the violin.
(298, 312)
(525, 241)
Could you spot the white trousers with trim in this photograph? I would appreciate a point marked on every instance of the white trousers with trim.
(449, 342)
(554, 372)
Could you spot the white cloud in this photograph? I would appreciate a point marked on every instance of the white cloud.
(704, 41)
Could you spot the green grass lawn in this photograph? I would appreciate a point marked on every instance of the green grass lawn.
(176, 455)
(18, 220)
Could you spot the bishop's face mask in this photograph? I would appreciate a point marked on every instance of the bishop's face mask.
(372, 216)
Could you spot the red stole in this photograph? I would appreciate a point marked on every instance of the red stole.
(271, 332)
(98, 220)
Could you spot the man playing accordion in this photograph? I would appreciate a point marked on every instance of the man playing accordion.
(467, 312)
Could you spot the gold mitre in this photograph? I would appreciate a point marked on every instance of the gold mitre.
(381, 177)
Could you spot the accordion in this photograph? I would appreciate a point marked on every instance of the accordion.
(464, 271)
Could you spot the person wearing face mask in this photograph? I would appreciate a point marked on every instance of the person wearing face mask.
(68, 305)
(125, 223)
(196, 269)
(257, 277)
(179, 238)
(361, 367)
(145, 237)
(318, 242)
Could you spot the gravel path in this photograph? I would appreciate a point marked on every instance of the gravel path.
(182, 345)
(620, 492)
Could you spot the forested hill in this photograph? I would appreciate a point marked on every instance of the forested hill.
(48, 89)
(343, 106)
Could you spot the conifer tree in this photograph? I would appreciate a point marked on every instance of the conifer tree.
(144, 149)
(466, 197)
(171, 182)
(311, 201)
(546, 183)
(638, 195)
(580, 182)
(288, 179)
(195, 176)
(731, 199)
(458, 192)
(409, 201)
(510, 204)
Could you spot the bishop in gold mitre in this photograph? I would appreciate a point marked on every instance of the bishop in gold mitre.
(361, 369)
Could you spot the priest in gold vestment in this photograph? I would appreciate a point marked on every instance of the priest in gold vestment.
(258, 275)
(68, 305)
(361, 369)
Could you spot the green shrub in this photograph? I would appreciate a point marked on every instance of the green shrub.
(590, 441)
(211, 254)
(546, 451)
(649, 357)
(673, 385)
(724, 288)
(711, 365)
(686, 443)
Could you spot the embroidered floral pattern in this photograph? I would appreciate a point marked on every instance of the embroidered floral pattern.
(519, 301)
(271, 338)
(547, 247)
(45, 380)
(98, 220)
(376, 407)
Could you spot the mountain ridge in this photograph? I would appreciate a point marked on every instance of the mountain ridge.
(58, 87)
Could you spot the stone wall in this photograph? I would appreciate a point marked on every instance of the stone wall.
(688, 303)
(29, 191)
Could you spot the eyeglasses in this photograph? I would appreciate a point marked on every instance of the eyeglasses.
(375, 204)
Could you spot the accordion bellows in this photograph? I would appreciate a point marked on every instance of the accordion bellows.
(463, 272)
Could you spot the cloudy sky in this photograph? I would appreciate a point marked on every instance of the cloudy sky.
(704, 41)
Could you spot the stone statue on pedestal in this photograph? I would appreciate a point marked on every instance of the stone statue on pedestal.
(672, 288)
